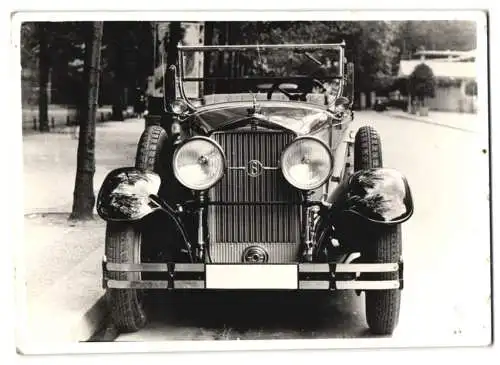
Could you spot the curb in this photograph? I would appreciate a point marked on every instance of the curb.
(91, 322)
(72, 311)
(94, 319)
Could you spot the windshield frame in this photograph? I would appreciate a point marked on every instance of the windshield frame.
(183, 49)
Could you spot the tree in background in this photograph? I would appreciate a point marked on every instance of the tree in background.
(370, 44)
(83, 196)
(42, 33)
(127, 52)
(457, 35)
(67, 62)
(127, 60)
(114, 38)
(422, 85)
(51, 50)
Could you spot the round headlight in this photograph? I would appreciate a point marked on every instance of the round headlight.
(199, 163)
(307, 163)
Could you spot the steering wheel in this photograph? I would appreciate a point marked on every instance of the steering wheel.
(293, 96)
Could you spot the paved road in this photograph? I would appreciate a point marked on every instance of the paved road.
(446, 247)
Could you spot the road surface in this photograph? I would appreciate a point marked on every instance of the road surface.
(446, 247)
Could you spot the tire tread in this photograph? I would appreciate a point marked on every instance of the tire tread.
(122, 239)
(149, 148)
(382, 306)
(126, 312)
(368, 149)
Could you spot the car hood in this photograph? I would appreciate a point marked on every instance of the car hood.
(299, 117)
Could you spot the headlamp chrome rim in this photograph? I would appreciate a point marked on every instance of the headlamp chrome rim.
(328, 152)
(179, 106)
(217, 146)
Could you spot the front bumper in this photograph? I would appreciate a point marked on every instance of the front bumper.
(296, 276)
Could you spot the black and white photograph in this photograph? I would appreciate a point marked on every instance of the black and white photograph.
(273, 183)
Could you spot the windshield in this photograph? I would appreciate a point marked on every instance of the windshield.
(215, 74)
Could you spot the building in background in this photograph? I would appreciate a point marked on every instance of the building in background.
(455, 72)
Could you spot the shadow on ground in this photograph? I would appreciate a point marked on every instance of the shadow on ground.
(252, 315)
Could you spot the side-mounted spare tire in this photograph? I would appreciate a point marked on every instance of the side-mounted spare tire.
(150, 148)
(124, 243)
(383, 244)
(367, 149)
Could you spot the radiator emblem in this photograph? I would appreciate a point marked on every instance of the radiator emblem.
(255, 255)
(254, 168)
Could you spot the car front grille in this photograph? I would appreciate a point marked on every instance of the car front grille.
(263, 218)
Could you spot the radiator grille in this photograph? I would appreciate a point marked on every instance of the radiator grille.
(233, 252)
(254, 223)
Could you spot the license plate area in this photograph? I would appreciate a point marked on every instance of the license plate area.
(253, 276)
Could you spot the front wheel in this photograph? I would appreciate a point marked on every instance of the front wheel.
(383, 244)
(123, 246)
(125, 242)
(382, 306)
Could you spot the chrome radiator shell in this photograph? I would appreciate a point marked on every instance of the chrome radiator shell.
(267, 213)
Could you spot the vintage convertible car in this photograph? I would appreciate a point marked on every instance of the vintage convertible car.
(257, 182)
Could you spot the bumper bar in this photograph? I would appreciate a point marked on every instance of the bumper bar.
(300, 276)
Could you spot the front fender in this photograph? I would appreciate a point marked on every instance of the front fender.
(379, 195)
(124, 194)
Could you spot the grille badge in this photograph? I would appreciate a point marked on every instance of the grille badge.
(255, 255)
(254, 168)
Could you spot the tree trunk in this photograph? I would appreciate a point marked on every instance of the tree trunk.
(43, 74)
(83, 196)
